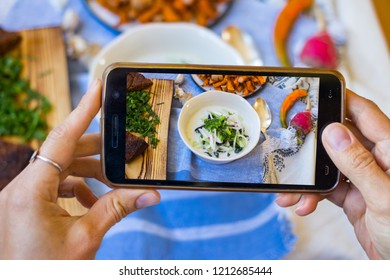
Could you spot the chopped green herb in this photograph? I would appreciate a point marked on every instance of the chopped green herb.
(23, 110)
(45, 73)
(140, 117)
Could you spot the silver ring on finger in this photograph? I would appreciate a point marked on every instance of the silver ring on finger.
(36, 155)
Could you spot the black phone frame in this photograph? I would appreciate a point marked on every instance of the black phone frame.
(331, 109)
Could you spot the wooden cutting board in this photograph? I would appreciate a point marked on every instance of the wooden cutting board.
(45, 66)
(152, 164)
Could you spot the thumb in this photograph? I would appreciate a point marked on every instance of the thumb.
(114, 206)
(356, 162)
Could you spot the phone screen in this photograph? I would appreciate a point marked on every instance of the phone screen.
(270, 139)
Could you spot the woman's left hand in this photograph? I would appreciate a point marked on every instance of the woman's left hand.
(33, 226)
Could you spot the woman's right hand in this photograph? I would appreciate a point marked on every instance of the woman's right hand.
(361, 150)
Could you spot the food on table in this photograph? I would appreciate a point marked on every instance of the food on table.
(182, 95)
(13, 159)
(288, 102)
(220, 133)
(284, 23)
(302, 121)
(140, 117)
(137, 81)
(203, 12)
(320, 51)
(8, 40)
(135, 146)
(179, 80)
(240, 85)
(70, 21)
(23, 110)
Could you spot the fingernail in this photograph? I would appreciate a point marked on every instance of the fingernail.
(278, 198)
(338, 137)
(300, 204)
(146, 200)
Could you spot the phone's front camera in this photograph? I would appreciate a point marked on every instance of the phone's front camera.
(116, 95)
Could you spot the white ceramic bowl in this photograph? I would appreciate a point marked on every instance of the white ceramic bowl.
(166, 43)
(232, 103)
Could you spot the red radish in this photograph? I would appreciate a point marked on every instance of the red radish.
(302, 120)
(320, 51)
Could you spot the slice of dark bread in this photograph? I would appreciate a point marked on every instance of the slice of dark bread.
(8, 41)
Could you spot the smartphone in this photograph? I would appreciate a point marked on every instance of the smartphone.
(195, 127)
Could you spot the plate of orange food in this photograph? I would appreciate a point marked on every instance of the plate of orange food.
(235, 84)
(119, 15)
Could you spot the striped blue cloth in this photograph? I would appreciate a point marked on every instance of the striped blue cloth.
(186, 224)
(202, 225)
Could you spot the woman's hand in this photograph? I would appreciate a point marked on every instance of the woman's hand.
(33, 226)
(361, 150)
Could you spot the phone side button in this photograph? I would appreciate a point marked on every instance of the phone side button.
(114, 140)
(326, 170)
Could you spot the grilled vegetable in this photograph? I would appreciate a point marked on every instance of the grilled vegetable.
(284, 23)
(288, 102)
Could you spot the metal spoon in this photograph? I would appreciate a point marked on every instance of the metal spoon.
(243, 43)
(265, 115)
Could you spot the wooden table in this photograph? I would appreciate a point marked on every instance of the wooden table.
(382, 8)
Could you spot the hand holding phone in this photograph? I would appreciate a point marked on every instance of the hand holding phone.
(215, 140)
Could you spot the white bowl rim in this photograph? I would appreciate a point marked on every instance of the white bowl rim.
(250, 146)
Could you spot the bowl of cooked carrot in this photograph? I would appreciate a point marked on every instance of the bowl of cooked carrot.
(242, 85)
(118, 15)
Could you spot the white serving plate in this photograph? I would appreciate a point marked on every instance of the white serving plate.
(166, 43)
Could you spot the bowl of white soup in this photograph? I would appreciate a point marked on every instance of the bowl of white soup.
(219, 127)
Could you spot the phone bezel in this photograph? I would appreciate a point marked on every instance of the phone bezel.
(331, 109)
